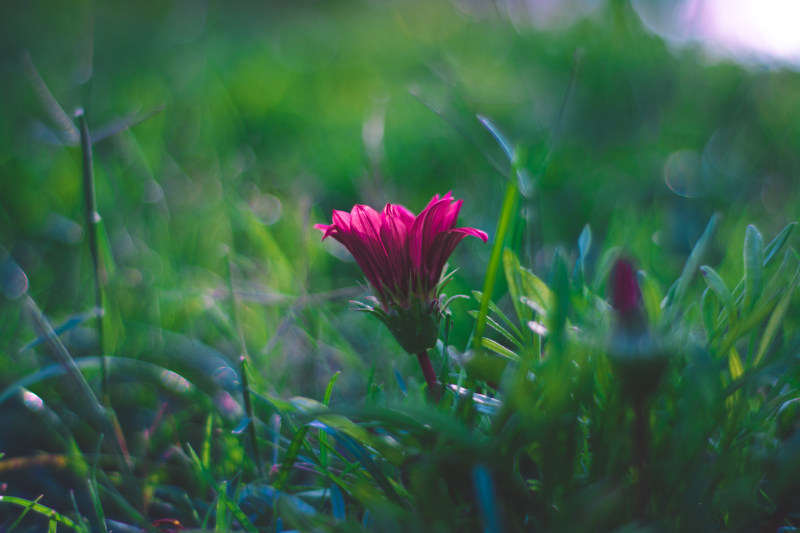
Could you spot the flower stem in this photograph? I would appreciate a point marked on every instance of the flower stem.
(641, 442)
(430, 375)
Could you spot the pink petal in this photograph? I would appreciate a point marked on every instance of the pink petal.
(439, 216)
(327, 230)
(443, 246)
(398, 211)
(341, 219)
(394, 236)
(365, 224)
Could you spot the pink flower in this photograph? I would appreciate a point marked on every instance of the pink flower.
(403, 257)
(626, 295)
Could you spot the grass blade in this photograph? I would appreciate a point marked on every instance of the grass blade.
(323, 437)
(717, 284)
(92, 222)
(503, 225)
(777, 243)
(54, 516)
(753, 266)
(678, 289)
(776, 319)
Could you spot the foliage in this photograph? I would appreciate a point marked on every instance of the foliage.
(186, 358)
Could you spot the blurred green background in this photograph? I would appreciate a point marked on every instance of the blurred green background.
(224, 131)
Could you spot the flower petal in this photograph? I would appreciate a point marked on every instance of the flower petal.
(437, 217)
(326, 229)
(394, 235)
(442, 249)
(398, 211)
(341, 219)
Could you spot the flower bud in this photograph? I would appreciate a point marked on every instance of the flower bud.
(637, 357)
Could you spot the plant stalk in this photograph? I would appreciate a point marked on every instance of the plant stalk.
(430, 375)
(641, 443)
(92, 220)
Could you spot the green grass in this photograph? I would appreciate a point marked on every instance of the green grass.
(228, 386)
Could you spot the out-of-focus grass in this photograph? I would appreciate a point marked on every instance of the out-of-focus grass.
(256, 119)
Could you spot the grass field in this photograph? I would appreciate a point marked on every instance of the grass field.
(189, 359)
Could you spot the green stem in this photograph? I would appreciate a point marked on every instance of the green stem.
(506, 215)
(641, 442)
(430, 375)
(248, 406)
(92, 220)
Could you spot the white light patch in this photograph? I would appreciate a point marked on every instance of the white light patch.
(32, 401)
(760, 27)
(174, 382)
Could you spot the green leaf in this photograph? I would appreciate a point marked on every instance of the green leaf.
(709, 311)
(512, 269)
(735, 364)
(561, 295)
(496, 310)
(753, 267)
(537, 292)
(651, 296)
(499, 137)
(503, 227)
(502, 331)
(678, 289)
(323, 437)
(230, 504)
(776, 319)
(775, 246)
(363, 456)
(717, 284)
(221, 521)
(523, 179)
(584, 243)
(499, 349)
(55, 517)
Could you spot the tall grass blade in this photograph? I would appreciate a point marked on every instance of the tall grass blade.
(230, 505)
(243, 368)
(675, 295)
(337, 503)
(753, 267)
(487, 499)
(584, 244)
(24, 513)
(506, 215)
(776, 319)
(298, 441)
(323, 437)
(92, 222)
(717, 284)
(523, 181)
(53, 515)
(97, 414)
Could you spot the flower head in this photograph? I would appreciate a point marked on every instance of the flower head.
(402, 256)
(626, 296)
(637, 354)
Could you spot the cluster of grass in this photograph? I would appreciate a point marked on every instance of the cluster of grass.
(187, 359)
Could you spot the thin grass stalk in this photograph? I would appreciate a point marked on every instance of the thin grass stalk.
(506, 215)
(92, 220)
(248, 404)
(99, 417)
(641, 443)
(510, 201)
(248, 407)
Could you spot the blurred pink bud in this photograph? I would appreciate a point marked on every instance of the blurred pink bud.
(625, 296)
